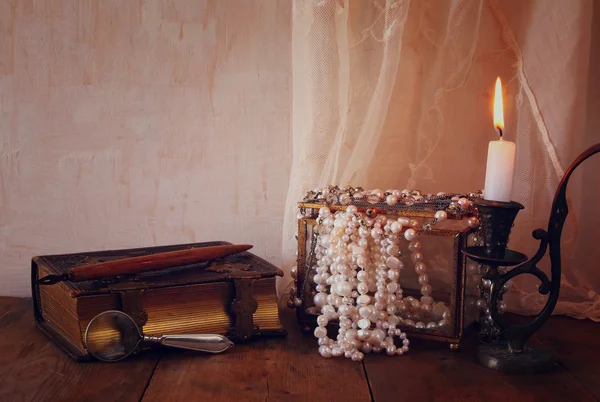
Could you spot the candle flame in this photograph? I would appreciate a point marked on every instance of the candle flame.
(498, 107)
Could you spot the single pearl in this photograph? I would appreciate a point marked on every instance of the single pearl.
(364, 323)
(322, 321)
(376, 233)
(426, 290)
(393, 250)
(396, 227)
(320, 299)
(362, 288)
(410, 234)
(423, 279)
(324, 211)
(357, 356)
(392, 287)
(391, 350)
(344, 310)
(431, 325)
(404, 221)
(441, 215)
(342, 268)
(344, 288)
(377, 336)
(363, 300)
(419, 325)
(420, 268)
(473, 222)
(325, 351)
(362, 276)
(320, 332)
(392, 262)
(391, 200)
(463, 202)
(366, 311)
(416, 257)
(393, 275)
(362, 242)
(366, 347)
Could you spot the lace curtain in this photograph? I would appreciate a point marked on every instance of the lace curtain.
(399, 93)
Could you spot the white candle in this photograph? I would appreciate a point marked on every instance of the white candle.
(500, 159)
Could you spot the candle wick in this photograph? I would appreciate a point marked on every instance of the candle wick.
(499, 131)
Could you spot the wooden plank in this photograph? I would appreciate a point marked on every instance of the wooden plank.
(431, 372)
(34, 369)
(7, 303)
(272, 369)
(577, 342)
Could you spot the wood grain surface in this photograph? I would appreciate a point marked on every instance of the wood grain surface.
(273, 370)
(34, 369)
(289, 369)
(431, 372)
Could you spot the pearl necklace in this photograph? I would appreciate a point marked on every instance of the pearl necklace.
(357, 255)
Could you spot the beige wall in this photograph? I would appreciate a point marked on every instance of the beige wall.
(137, 123)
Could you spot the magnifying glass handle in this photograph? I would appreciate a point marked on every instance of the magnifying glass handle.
(201, 342)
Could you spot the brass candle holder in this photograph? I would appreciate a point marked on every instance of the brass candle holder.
(511, 354)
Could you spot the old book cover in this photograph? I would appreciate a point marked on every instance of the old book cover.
(234, 296)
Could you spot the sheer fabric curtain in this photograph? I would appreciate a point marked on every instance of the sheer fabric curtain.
(398, 94)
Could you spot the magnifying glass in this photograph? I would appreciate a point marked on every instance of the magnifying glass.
(113, 335)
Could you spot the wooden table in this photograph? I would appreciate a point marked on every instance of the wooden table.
(33, 369)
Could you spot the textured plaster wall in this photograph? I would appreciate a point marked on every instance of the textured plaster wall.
(138, 123)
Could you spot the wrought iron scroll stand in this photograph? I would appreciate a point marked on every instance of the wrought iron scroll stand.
(497, 219)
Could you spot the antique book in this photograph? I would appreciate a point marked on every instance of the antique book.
(233, 296)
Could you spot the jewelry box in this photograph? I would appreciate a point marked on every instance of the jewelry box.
(437, 286)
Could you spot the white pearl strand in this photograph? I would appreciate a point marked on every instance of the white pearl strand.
(355, 259)
(355, 263)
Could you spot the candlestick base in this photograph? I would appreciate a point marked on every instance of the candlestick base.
(529, 361)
